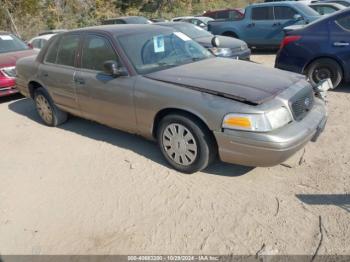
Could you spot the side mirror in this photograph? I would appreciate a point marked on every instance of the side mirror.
(297, 17)
(215, 41)
(30, 45)
(112, 68)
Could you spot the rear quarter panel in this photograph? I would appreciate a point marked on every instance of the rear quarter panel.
(26, 69)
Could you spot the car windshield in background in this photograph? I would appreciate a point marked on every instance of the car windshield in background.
(192, 30)
(10, 43)
(151, 52)
(138, 20)
(307, 10)
(206, 20)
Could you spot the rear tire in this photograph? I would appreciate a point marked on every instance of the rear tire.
(324, 68)
(185, 143)
(49, 113)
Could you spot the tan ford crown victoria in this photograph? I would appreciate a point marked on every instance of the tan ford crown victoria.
(158, 83)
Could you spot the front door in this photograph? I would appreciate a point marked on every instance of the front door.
(284, 16)
(102, 97)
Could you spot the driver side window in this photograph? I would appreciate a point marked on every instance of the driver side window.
(96, 51)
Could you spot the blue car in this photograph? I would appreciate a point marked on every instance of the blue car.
(319, 50)
(263, 23)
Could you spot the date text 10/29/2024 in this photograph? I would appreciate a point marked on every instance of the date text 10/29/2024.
(173, 258)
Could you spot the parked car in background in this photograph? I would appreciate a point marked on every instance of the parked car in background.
(200, 21)
(345, 3)
(159, 20)
(39, 42)
(319, 50)
(262, 25)
(226, 14)
(127, 20)
(326, 8)
(228, 46)
(11, 49)
(158, 83)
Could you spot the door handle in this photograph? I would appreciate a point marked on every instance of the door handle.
(251, 24)
(276, 24)
(45, 74)
(340, 44)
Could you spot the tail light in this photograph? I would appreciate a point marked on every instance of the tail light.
(289, 39)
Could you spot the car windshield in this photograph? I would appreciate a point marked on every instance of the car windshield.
(191, 30)
(10, 43)
(138, 20)
(307, 10)
(153, 51)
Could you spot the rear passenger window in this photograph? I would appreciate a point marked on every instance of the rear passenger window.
(284, 13)
(67, 50)
(222, 15)
(52, 52)
(96, 51)
(344, 22)
(262, 13)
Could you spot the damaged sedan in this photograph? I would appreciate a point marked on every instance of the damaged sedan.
(158, 83)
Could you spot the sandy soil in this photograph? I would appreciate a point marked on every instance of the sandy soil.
(85, 188)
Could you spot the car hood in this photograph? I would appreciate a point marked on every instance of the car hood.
(9, 59)
(225, 41)
(239, 80)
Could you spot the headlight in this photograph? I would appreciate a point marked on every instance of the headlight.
(9, 71)
(244, 46)
(258, 122)
(221, 51)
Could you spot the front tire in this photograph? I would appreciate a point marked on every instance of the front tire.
(49, 113)
(325, 68)
(185, 143)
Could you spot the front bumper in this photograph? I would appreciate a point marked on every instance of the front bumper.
(273, 148)
(8, 91)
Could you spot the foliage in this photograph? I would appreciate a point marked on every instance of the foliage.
(33, 16)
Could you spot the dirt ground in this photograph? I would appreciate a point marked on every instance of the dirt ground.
(84, 188)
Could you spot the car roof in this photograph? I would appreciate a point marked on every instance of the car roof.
(122, 29)
(280, 2)
(123, 18)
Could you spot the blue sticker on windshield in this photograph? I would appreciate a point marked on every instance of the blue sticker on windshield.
(158, 42)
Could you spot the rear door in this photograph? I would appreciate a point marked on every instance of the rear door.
(58, 69)
(258, 31)
(340, 39)
(101, 97)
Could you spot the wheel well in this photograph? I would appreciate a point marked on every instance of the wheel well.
(324, 57)
(230, 34)
(161, 114)
(32, 86)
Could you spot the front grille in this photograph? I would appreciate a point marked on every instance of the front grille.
(302, 103)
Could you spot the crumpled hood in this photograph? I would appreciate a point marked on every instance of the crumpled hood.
(239, 80)
(9, 59)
